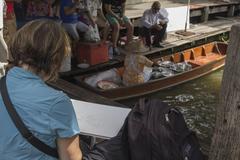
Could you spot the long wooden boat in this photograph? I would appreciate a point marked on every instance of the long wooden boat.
(203, 59)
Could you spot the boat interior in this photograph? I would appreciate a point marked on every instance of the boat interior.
(199, 55)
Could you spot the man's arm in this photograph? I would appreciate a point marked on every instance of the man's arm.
(146, 23)
(145, 20)
(123, 10)
(68, 148)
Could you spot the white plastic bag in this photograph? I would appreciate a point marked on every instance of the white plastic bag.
(110, 75)
(2, 69)
(147, 71)
(92, 35)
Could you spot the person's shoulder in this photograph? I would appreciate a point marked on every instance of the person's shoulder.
(58, 94)
(164, 12)
(147, 11)
(55, 95)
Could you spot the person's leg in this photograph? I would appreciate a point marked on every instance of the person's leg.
(3, 48)
(106, 27)
(71, 29)
(146, 33)
(115, 35)
(116, 27)
(130, 28)
(82, 27)
(162, 32)
(159, 35)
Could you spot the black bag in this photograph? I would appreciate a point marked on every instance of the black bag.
(152, 131)
(157, 131)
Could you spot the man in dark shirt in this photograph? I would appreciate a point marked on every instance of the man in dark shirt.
(115, 13)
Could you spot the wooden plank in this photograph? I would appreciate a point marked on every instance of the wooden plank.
(231, 10)
(79, 93)
(225, 142)
(205, 14)
(135, 11)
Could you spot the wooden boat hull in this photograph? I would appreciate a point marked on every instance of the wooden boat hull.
(208, 65)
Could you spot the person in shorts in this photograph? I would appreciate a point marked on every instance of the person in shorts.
(96, 16)
(69, 12)
(115, 13)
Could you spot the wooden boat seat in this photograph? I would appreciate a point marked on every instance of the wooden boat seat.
(201, 60)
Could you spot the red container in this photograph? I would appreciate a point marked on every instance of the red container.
(92, 53)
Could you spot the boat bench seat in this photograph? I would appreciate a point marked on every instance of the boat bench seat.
(201, 60)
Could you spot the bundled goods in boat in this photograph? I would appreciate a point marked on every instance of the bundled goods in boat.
(169, 68)
(181, 67)
(104, 80)
(165, 64)
(103, 84)
(159, 72)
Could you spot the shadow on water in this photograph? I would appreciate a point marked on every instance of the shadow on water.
(197, 100)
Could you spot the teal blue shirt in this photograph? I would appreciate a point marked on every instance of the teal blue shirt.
(46, 112)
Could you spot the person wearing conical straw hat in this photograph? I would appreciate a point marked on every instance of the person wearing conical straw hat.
(135, 63)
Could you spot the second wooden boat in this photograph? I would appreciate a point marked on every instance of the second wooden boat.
(203, 59)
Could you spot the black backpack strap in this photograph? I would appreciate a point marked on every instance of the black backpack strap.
(41, 146)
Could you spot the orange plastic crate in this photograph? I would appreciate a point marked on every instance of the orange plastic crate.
(92, 53)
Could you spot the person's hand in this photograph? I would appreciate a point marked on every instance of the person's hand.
(121, 22)
(157, 27)
(92, 23)
(155, 63)
(77, 9)
(162, 23)
(106, 24)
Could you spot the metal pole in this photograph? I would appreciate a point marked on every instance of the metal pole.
(188, 8)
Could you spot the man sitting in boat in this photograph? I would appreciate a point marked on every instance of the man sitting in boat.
(134, 64)
(154, 22)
